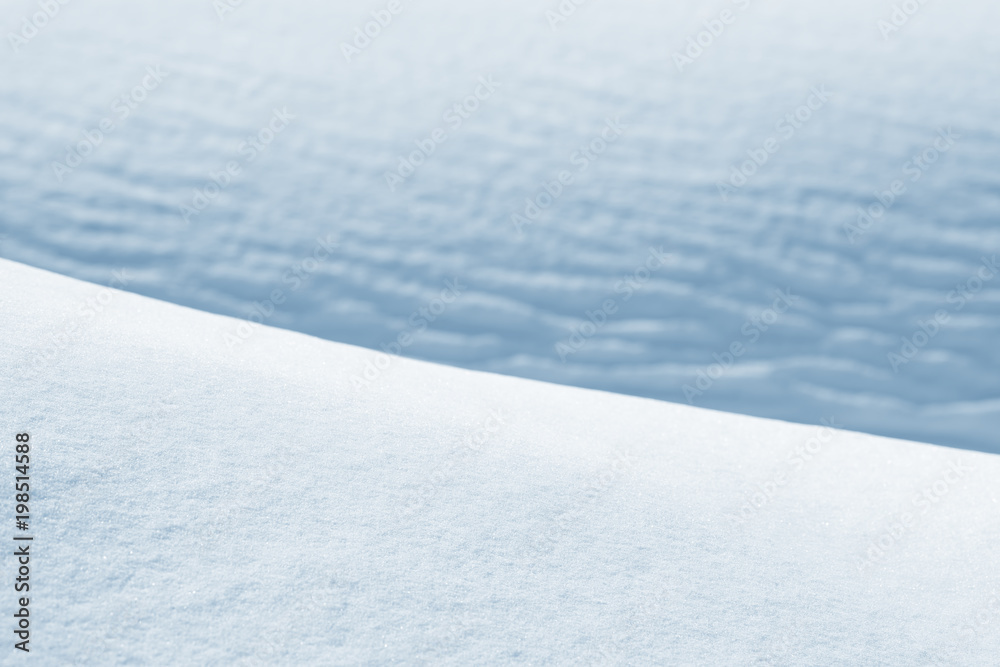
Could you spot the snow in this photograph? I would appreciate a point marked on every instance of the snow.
(201, 503)
(655, 186)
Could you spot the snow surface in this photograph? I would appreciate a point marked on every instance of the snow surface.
(197, 503)
(656, 186)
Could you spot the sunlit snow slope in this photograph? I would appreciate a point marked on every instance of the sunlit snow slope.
(196, 503)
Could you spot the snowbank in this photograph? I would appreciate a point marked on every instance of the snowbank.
(200, 502)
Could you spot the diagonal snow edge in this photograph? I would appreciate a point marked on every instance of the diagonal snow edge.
(197, 500)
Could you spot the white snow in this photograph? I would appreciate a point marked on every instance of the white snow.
(196, 503)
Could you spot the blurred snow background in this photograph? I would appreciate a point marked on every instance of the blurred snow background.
(656, 186)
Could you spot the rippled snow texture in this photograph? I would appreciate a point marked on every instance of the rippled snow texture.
(656, 186)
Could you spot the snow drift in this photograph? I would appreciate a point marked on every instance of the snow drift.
(201, 502)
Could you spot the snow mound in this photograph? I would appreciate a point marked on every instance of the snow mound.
(201, 502)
